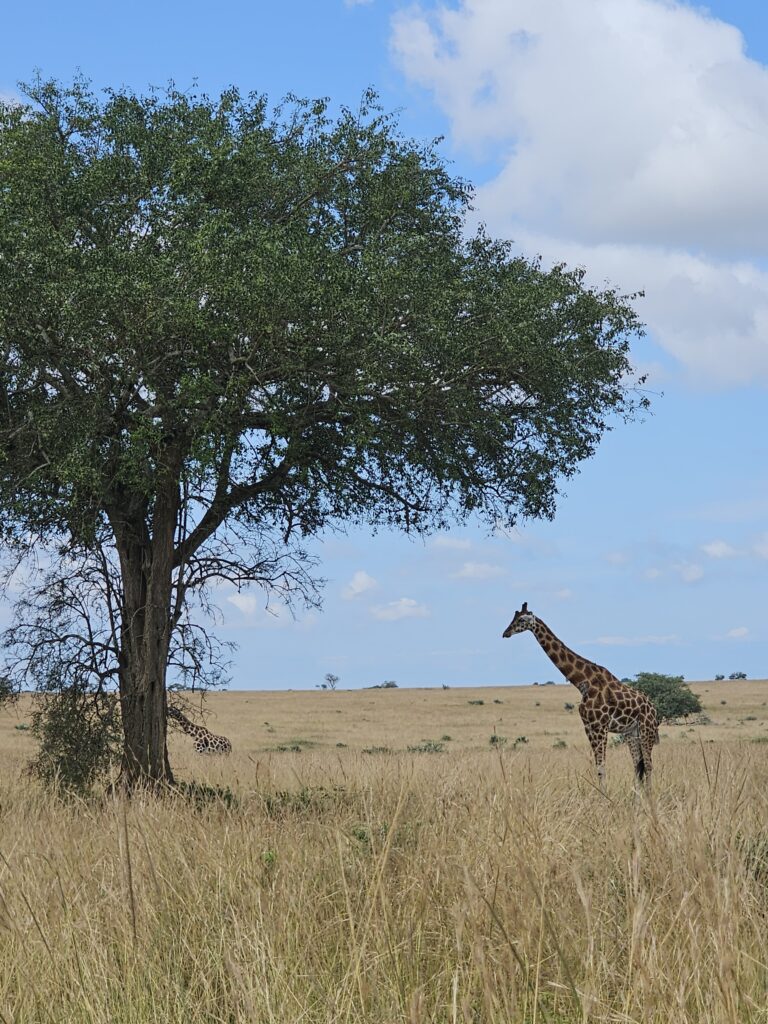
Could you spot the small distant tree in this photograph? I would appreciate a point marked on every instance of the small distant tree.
(670, 695)
(331, 681)
(738, 675)
(719, 677)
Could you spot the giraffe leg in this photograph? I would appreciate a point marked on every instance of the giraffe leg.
(648, 736)
(597, 740)
(636, 750)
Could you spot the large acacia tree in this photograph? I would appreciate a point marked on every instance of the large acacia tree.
(222, 324)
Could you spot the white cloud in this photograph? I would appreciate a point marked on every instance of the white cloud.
(360, 583)
(478, 571)
(246, 603)
(689, 572)
(719, 549)
(760, 547)
(564, 594)
(452, 543)
(617, 557)
(404, 608)
(737, 633)
(652, 574)
(636, 641)
(633, 137)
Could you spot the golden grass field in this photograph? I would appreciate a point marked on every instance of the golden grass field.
(484, 883)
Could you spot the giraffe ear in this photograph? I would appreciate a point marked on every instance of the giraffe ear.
(524, 609)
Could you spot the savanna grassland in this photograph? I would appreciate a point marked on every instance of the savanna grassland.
(355, 880)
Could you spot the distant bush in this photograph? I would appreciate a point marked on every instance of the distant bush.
(478, 702)
(669, 694)
(738, 675)
(377, 750)
(427, 747)
(559, 744)
(498, 741)
(568, 706)
(388, 684)
(719, 677)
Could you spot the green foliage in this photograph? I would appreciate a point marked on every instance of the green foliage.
(738, 675)
(497, 741)
(669, 694)
(477, 703)
(8, 691)
(427, 747)
(719, 677)
(79, 739)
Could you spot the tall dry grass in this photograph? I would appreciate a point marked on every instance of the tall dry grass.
(466, 886)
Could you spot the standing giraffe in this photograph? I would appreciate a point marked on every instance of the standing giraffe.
(205, 742)
(607, 705)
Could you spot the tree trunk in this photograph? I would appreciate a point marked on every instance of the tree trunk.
(147, 576)
(143, 661)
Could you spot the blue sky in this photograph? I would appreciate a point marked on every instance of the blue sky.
(630, 138)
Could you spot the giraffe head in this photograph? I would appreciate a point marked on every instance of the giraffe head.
(523, 620)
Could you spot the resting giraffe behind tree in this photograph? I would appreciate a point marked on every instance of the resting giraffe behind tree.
(205, 742)
(607, 705)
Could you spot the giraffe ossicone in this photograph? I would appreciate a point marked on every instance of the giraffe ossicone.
(607, 705)
(205, 742)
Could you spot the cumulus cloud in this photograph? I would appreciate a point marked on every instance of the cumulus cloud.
(360, 583)
(719, 549)
(632, 138)
(689, 572)
(404, 608)
(246, 603)
(478, 571)
(636, 641)
(738, 633)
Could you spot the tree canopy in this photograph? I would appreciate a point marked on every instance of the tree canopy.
(226, 327)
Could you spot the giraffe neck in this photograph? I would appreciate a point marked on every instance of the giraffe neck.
(576, 669)
(186, 726)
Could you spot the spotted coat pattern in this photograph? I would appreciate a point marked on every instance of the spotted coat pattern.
(205, 742)
(607, 705)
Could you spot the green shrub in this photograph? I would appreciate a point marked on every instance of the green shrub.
(80, 739)
(669, 694)
(427, 747)
(498, 741)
